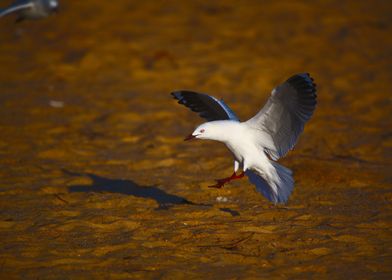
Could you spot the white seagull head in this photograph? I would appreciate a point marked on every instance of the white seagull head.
(203, 131)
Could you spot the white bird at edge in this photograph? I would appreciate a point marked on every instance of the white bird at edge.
(259, 142)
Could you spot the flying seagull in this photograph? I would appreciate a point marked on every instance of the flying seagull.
(259, 142)
(31, 9)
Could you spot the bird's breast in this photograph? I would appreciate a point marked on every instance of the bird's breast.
(244, 147)
(236, 151)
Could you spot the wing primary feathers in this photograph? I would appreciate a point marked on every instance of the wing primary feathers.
(283, 117)
(208, 107)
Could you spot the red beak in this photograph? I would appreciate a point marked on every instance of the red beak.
(189, 137)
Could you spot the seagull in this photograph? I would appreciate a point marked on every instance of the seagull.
(259, 142)
(31, 9)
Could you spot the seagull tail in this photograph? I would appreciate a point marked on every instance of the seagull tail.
(285, 184)
(277, 191)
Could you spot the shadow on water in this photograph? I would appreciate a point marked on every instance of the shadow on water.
(128, 187)
(233, 213)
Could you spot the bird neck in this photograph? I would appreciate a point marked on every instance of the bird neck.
(223, 131)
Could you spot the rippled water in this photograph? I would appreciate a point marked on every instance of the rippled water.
(96, 181)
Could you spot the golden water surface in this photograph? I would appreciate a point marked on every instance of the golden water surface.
(96, 181)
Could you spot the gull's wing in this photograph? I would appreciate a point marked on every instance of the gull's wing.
(283, 117)
(208, 107)
(15, 8)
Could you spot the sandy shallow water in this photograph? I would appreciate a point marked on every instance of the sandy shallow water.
(96, 181)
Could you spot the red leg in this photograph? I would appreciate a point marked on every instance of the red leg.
(221, 182)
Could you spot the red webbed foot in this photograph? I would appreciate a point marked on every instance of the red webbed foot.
(221, 182)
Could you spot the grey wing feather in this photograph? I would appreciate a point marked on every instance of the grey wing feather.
(283, 117)
(15, 8)
(208, 107)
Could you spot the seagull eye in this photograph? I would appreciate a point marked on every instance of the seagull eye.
(202, 130)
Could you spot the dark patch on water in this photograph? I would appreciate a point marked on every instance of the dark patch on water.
(233, 213)
(127, 187)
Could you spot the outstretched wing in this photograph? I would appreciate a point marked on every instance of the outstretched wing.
(283, 117)
(14, 8)
(208, 107)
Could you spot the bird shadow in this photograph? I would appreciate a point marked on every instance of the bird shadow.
(128, 187)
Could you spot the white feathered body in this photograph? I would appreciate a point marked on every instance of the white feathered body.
(260, 141)
(247, 145)
(239, 139)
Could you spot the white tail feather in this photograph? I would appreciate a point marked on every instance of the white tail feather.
(276, 190)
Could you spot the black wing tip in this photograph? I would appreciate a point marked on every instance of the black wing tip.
(303, 83)
(180, 95)
(175, 94)
(183, 93)
(192, 100)
(207, 106)
(307, 93)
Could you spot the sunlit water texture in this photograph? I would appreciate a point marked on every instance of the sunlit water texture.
(96, 181)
